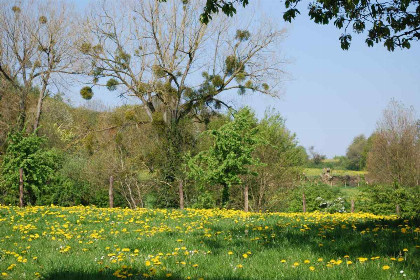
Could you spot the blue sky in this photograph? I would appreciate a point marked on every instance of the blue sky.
(332, 95)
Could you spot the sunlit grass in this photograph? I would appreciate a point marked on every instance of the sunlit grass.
(100, 243)
(318, 171)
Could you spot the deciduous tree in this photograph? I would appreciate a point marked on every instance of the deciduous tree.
(395, 153)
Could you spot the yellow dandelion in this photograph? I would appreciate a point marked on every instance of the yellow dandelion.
(385, 267)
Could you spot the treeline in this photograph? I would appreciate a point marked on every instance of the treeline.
(78, 149)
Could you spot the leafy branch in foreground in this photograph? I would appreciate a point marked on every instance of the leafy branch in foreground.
(395, 23)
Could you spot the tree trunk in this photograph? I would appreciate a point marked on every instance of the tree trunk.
(40, 103)
(225, 195)
(246, 198)
(304, 202)
(397, 209)
(20, 187)
(111, 191)
(352, 206)
(181, 195)
(22, 110)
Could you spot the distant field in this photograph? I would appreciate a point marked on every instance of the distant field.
(318, 171)
(98, 243)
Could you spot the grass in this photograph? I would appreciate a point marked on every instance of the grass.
(99, 243)
(318, 171)
(350, 192)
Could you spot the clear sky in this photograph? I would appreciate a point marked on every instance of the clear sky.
(332, 95)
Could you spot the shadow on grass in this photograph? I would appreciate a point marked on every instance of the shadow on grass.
(72, 275)
(336, 242)
(369, 239)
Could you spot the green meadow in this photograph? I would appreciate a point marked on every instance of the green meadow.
(101, 243)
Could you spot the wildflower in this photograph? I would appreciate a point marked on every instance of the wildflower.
(296, 264)
(245, 256)
(385, 267)
(239, 266)
(230, 253)
(349, 262)
(11, 266)
(405, 250)
(195, 265)
(283, 261)
(311, 268)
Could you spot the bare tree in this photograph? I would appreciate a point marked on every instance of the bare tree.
(157, 52)
(36, 48)
(395, 153)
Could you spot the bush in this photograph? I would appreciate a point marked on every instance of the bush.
(382, 199)
(205, 200)
(39, 166)
(319, 197)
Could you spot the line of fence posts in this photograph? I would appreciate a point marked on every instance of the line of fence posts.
(111, 195)
(111, 192)
(20, 187)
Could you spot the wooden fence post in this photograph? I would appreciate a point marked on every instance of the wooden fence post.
(111, 191)
(21, 187)
(304, 202)
(397, 209)
(181, 195)
(352, 206)
(246, 200)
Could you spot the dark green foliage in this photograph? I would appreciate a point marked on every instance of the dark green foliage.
(395, 23)
(111, 84)
(383, 199)
(233, 65)
(122, 58)
(86, 93)
(356, 153)
(39, 166)
(242, 35)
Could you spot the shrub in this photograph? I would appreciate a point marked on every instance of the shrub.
(382, 199)
(319, 197)
(39, 166)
